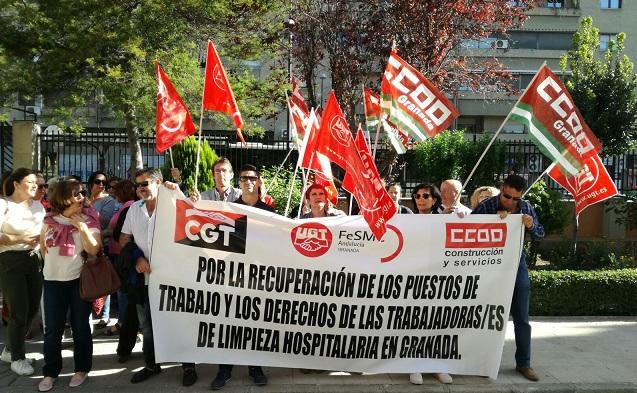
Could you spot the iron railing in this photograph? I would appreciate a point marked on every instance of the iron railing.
(67, 154)
(6, 147)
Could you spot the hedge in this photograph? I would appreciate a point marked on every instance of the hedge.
(571, 292)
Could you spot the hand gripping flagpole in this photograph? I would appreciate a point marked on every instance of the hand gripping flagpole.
(484, 153)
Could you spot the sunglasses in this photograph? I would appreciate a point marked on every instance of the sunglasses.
(102, 182)
(250, 178)
(142, 184)
(43, 186)
(424, 196)
(507, 196)
(76, 194)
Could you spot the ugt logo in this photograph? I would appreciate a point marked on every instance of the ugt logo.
(311, 239)
(340, 130)
(213, 229)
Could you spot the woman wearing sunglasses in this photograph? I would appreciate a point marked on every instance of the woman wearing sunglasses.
(106, 206)
(70, 233)
(426, 199)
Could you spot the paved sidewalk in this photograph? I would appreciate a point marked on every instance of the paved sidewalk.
(570, 355)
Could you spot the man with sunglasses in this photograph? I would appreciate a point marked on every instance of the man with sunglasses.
(223, 190)
(249, 181)
(510, 202)
(138, 227)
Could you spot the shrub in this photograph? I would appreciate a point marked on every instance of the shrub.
(184, 157)
(279, 187)
(593, 255)
(568, 292)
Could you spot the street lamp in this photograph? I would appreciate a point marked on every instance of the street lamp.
(323, 76)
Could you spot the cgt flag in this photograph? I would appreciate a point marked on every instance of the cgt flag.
(592, 183)
(375, 204)
(554, 122)
(217, 93)
(412, 102)
(397, 137)
(172, 120)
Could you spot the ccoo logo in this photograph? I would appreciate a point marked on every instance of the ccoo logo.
(340, 131)
(475, 235)
(311, 239)
(213, 229)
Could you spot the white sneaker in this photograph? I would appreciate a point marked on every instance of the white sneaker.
(415, 378)
(6, 356)
(444, 378)
(21, 367)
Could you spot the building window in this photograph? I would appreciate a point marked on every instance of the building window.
(604, 40)
(541, 40)
(610, 4)
(555, 4)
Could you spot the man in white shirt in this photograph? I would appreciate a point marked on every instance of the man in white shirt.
(138, 227)
(449, 190)
(223, 190)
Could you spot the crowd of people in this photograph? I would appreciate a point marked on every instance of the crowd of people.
(48, 230)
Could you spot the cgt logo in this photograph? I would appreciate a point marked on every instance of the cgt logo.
(475, 235)
(210, 229)
(311, 239)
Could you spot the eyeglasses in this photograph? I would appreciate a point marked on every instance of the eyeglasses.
(424, 196)
(97, 182)
(250, 178)
(43, 186)
(142, 184)
(507, 196)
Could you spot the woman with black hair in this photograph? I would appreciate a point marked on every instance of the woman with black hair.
(21, 220)
(426, 199)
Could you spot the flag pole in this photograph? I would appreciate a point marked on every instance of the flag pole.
(200, 123)
(287, 205)
(538, 179)
(172, 163)
(484, 153)
(278, 169)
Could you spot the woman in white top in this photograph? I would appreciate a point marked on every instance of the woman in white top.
(20, 225)
(70, 232)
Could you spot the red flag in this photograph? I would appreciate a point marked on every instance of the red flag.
(375, 204)
(217, 93)
(173, 122)
(297, 97)
(398, 138)
(591, 185)
(554, 122)
(334, 139)
(412, 102)
(309, 158)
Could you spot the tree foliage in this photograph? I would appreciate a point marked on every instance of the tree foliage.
(68, 50)
(603, 88)
(451, 156)
(278, 187)
(353, 40)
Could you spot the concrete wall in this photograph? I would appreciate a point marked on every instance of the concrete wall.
(24, 132)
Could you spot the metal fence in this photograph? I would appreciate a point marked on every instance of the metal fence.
(65, 154)
(6, 147)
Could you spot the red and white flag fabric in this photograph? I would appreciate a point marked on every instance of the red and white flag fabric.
(310, 159)
(397, 137)
(554, 122)
(592, 184)
(173, 122)
(412, 102)
(334, 140)
(299, 115)
(217, 93)
(376, 206)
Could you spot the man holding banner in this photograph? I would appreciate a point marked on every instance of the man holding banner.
(510, 202)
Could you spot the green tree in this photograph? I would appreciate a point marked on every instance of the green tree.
(603, 88)
(451, 156)
(184, 157)
(69, 50)
(278, 187)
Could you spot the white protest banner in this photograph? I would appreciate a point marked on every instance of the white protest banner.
(236, 285)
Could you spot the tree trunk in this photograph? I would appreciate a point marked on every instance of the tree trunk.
(132, 131)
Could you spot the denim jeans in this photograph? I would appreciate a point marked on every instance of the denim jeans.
(60, 296)
(146, 323)
(520, 314)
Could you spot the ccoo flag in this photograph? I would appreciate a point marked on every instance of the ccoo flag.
(554, 122)
(172, 120)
